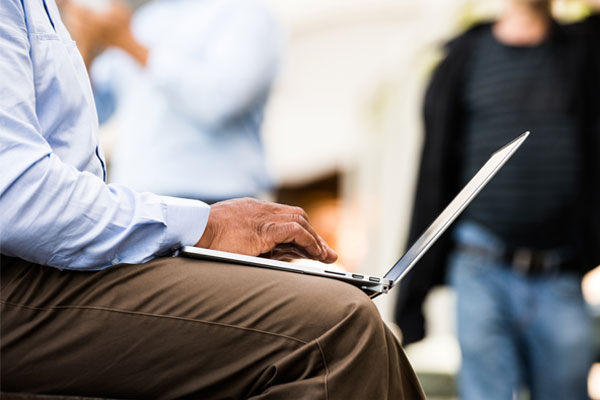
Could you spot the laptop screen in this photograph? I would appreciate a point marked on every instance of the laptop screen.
(453, 210)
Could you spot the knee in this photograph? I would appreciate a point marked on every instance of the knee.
(351, 310)
(364, 312)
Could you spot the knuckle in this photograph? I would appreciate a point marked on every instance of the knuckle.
(265, 228)
(304, 214)
(305, 221)
(300, 219)
(297, 210)
(298, 233)
(296, 227)
(249, 201)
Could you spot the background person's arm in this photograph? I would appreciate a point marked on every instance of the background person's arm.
(592, 146)
(91, 31)
(217, 78)
(211, 79)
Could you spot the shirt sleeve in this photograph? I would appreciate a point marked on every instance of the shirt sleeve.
(215, 80)
(52, 213)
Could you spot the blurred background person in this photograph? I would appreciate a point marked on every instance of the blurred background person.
(520, 250)
(187, 82)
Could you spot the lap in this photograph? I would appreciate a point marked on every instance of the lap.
(142, 328)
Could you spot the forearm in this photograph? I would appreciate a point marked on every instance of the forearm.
(88, 52)
(128, 43)
(55, 215)
(216, 80)
(53, 212)
(209, 93)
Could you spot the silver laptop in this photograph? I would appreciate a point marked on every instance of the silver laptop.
(375, 285)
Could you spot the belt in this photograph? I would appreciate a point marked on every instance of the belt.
(525, 260)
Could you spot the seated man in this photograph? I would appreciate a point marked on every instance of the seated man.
(89, 303)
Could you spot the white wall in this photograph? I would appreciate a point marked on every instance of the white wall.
(348, 99)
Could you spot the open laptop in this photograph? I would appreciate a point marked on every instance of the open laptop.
(375, 285)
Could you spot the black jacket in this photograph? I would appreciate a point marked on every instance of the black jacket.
(577, 48)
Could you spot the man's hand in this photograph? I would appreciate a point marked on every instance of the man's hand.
(258, 228)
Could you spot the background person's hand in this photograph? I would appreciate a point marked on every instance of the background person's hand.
(116, 24)
(95, 31)
(258, 228)
(85, 26)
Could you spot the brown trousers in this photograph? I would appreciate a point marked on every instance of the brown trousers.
(177, 327)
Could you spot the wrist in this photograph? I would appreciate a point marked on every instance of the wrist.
(87, 53)
(128, 43)
(209, 234)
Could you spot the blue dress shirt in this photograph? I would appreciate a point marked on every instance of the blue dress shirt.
(188, 123)
(55, 208)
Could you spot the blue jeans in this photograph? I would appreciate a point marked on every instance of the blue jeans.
(516, 330)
